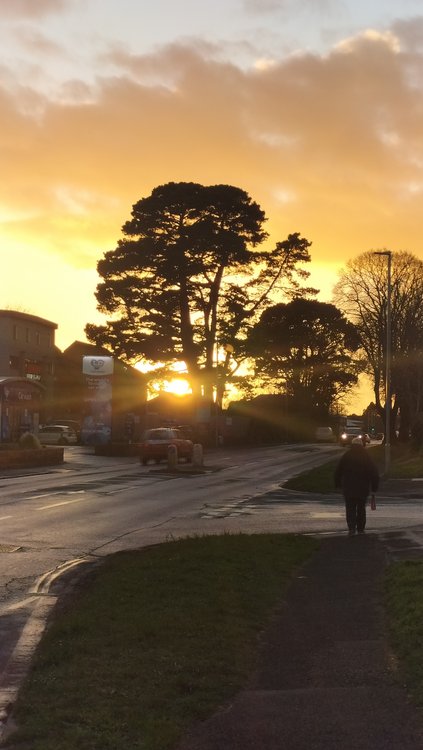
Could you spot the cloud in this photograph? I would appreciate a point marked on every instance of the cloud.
(258, 6)
(33, 8)
(331, 146)
(268, 6)
(410, 33)
(383, 38)
(37, 43)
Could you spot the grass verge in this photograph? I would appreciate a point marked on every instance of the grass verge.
(153, 641)
(405, 464)
(318, 479)
(404, 603)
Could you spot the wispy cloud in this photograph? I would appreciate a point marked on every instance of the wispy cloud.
(37, 43)
(33, 8)
(410, 33)
(265, 6)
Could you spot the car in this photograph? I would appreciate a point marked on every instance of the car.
(156, 442)
(325, 435)
(57, 434)
(73, 423)
(350, 433)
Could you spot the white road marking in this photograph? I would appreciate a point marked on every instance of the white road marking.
(37, 497)
(57, 505)
(59, 492)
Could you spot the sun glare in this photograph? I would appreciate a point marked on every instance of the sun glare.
(178, 386)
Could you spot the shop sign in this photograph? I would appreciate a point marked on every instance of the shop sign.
(19, 395)
(98, 388)
(97, 366)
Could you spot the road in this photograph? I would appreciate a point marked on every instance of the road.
(92, 506)
(58, 519)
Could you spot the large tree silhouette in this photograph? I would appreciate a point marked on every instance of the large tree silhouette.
(305, 349)
(189, 276)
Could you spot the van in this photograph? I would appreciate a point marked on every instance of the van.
(325, 435)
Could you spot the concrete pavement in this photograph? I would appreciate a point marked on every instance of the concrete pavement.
(326, 678)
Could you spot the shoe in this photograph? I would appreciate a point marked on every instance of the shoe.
(351, 532)
(361, 531)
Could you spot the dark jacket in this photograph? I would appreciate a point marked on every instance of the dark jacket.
(356, 473)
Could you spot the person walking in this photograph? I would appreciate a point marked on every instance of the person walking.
(357, 475)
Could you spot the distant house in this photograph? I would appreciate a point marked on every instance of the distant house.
(28, 358)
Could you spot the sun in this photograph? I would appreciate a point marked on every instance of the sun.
(178, 386)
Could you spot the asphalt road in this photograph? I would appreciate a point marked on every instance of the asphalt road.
(91, 506)
(53, 521)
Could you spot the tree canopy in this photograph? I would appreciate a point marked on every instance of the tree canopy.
(189, 275)
(304, 349)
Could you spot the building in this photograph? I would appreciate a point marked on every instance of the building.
(110, 407)
(27, 371)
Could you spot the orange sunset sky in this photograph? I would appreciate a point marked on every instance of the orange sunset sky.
(315, 107)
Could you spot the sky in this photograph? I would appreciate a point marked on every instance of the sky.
(314, 107)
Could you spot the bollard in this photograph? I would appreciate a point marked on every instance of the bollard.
(197, 455)
(172, 456)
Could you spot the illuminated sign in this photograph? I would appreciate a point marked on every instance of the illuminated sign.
(95, 366)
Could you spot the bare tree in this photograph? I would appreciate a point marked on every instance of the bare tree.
(362, 293)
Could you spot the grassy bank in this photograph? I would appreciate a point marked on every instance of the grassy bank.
(154, 640)
(405, 464)
(404, 602)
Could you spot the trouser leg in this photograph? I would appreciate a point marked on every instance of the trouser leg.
(361, 515)
(351, 513)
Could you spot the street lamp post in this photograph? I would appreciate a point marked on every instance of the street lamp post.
(388, 255)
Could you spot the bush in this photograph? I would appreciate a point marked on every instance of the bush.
(28, 441)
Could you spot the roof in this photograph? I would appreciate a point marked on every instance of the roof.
(17, 315)
(79, 349)
(4, 379)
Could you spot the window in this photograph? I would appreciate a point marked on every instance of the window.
(14, 363)
(37, 338)
(27, 335)
(15, 332)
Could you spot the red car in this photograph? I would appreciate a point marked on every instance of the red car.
(156, 442)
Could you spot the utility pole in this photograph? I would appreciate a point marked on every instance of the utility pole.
(388, 255)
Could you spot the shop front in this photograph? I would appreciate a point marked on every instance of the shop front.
(20, 404)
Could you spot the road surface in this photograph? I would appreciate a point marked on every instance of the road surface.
(55, 520)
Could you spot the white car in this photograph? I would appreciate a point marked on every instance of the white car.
(57, 434)
(325, 435)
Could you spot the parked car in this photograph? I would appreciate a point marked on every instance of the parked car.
(156, 442)
(73, 423)
(57, 434)
(325, 435)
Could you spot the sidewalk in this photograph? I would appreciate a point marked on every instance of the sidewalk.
(325, 679)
